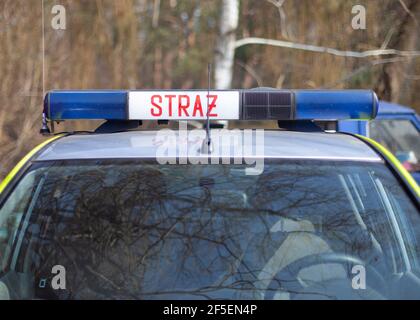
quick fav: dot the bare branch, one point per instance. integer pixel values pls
(409, 12)
(363, 69)
(388, 38)
(320, 49)
(413, 77)
(283, 25)
(156, 13)
(252, 72)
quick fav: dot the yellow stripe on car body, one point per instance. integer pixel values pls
(24, 160)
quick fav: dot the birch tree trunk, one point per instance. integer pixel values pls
(225, 46)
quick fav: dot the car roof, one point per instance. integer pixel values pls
(389, 107)
(149, 144)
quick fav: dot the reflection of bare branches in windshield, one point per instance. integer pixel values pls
(145, 231)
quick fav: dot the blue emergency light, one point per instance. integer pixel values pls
(253, 104)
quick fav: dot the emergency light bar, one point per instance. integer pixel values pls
(254, 104)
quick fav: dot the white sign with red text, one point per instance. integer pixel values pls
(183, 105)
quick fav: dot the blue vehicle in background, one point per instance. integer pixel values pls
(397, 128)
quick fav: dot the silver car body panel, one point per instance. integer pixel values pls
(165, 143)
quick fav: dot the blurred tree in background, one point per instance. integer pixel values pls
(168, 44)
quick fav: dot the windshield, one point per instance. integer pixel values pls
(401, 137)
(137, 229)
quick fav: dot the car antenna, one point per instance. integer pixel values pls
(207, 146)
(45, 130)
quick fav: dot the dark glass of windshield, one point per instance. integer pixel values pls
(139, 230)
